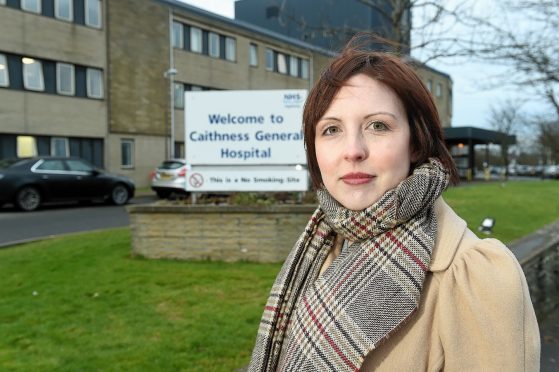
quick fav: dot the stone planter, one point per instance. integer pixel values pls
(224, 233)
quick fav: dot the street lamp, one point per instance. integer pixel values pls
(170, 74)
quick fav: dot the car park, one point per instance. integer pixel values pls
(30, 182)
(169, 177)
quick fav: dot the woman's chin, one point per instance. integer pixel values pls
(357, 202)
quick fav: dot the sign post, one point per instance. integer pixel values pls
(245, 141)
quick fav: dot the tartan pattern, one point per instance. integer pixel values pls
(332, 321)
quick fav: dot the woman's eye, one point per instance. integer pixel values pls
(378, 126)
(330, 130)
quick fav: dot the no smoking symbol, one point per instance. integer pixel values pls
(196, 180)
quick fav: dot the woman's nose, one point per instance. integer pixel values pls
(356, 148)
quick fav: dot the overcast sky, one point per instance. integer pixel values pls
(472, 101)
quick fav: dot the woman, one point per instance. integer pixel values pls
(386, 276)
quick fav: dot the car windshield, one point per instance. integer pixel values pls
(169, 164)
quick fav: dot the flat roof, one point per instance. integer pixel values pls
(455, 135)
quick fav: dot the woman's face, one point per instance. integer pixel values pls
(363, 143)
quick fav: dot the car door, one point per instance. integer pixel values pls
(53, 178)
(88, 183)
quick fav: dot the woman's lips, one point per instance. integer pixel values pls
(357, 178)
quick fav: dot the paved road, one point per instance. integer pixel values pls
(16, 226)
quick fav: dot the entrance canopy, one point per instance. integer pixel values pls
(461, 141)
(476, 136)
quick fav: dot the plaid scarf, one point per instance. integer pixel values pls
(330, 322)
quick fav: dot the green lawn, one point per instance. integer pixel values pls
(96, 308)
(519, 208)
(82, 303)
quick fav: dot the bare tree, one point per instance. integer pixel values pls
(524, 38)
(506, 118)
(522, 35)
(431, 31)
(432, 28)
(548, 139)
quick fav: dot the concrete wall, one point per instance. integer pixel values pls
(149, 152)
(43, 37)
(444, 101)
(46, 114)
(25, 112)
(225, 233)
(538, 253)
(138, 43)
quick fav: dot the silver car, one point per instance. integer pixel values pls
(169, 177)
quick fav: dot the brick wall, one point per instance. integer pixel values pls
(226, 233)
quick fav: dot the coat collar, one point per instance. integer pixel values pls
(450, 230)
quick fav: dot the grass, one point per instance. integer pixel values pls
(82, 303)
(519, 208)
(96, 308)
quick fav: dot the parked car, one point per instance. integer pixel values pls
(29, 182)
(169, 177)
(551, 171)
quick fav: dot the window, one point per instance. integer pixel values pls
(4, 76)
(59, 146)
(63, 9)
(26, 146)
(78, 166)
(2, 2)
(196, 88)
(269, 59)
(51, 165)
(282, 63)
(31, 5)
(214, 45)
(430, 85)
(253, 55)
(33, 74)
(195, 40)
(127, 153)
(177, 36)
(294, 66)
(94, 83)
(179, 95)
(304, 68)
(230, 49)
(438, 90)
(65, 79)
(93, 13)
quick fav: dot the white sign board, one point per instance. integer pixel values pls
(244, 127)
(245, 141)
(252, 179)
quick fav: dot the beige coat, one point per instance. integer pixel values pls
(475, 312)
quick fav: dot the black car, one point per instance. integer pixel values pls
(28, 182)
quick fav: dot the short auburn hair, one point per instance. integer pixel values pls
(426, 135)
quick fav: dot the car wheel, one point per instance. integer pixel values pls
(163, 194)
(119, 195)
(28, 198)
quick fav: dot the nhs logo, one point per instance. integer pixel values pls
(293, 99)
